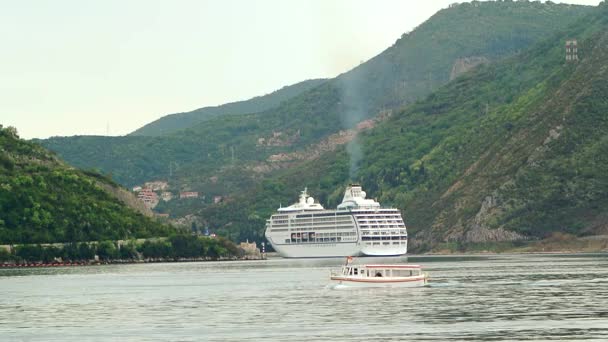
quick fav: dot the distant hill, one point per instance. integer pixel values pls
(44, 200)
(170, 123)
(511, 151)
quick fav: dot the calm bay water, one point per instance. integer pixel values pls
(478, 298)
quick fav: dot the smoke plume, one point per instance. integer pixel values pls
(352, 111)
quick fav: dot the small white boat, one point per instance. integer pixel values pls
(380, 275)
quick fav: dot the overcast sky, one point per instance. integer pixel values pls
(76, 67)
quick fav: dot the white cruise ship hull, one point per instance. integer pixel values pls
(384, 250)
(312, 250)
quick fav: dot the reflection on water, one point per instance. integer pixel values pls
(487, 298)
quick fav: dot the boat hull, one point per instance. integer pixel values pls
(417, 281)
(331, 250)
(311, 250)
(384, 250)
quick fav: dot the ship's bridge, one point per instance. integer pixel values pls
(354, 198)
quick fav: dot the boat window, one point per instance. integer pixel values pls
(378, 274)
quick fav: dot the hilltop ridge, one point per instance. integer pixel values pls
(174, 122)
(418, 63)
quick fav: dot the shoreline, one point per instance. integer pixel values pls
(430, 254)
(118, 262)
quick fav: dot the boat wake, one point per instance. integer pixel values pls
(340, 287)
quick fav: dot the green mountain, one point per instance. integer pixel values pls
(217, 156)
(512, 151)
(307, 140)
(175, 122)
(44, 200)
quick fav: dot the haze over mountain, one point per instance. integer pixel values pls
(418, 158)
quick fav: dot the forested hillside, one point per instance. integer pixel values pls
(44, 200)
(418, 158)
(175, 122)
(512, 151)
(418, 63)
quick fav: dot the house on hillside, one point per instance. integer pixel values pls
(188, 194)
(149, 197)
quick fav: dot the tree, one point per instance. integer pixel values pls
(6, 255)
(156, 249)
(85, 251)
(186, 246)
(106, 250)
(128, 251)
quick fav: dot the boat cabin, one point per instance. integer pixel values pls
(388, 271)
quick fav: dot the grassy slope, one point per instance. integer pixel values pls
(44, 200)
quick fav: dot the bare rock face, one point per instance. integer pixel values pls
(462, 65)
(479, 230)
(483, 234)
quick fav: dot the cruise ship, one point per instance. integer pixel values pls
(359, 226)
